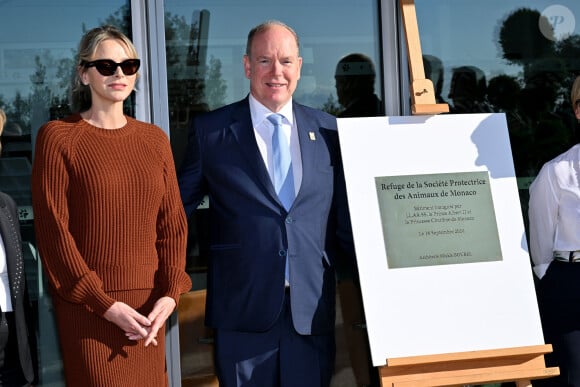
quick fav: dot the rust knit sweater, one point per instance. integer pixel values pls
(110, 226)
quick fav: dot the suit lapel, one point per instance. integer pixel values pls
(308, 137)
(243, 130)
(10, 241)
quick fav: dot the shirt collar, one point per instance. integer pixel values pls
(259, 112)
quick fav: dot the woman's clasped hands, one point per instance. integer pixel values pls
(135, 325)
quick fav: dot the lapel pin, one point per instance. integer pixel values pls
(312, 136)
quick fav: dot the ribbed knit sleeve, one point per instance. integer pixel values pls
(172, 234)
(64, 265)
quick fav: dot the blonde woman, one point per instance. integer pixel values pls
(110, 225)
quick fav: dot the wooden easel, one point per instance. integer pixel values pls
(422, 91)
(519, 365)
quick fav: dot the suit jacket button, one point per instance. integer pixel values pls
(282, 253)
(289, 220)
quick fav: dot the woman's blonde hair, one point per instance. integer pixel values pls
(81, 94)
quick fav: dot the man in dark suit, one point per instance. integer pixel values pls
(16, 365)
(271, 278)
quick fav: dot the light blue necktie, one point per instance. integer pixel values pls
(283, 176)
(282, 163)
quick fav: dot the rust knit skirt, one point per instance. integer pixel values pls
(96, 353)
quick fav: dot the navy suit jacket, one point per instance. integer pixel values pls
(10, 232)
(250, 231)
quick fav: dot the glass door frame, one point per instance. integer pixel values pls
(394, 57)
(151, 106)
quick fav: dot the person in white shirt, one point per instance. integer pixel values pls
(554, 213)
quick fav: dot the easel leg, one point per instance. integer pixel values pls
(523, 383)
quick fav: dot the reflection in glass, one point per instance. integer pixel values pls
(355, 77)
(516, 57)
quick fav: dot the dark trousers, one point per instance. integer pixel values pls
(559, 304)
(279, 357)
(10, 370)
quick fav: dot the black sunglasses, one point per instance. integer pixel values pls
(109, 67)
